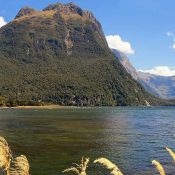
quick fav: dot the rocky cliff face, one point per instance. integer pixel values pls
(126, 63)
(60, 55)
(26, 11)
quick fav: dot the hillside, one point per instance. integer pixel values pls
(60, 55)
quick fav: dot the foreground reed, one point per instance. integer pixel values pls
(172, 154)
(114, 170)
(5, 156)
(159, 167)
(10, 165)
(19, 166)
(79, 169)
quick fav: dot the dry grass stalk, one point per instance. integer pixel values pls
(5, 155)
(159, 167)
(79, 169)
(109, 165)
(19, 166)
(172, 154)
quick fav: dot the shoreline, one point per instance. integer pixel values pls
(69, 107)
(39, 107)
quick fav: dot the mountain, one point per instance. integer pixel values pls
(60, 55)
(160, 86)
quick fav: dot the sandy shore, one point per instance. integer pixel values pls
(39, 107)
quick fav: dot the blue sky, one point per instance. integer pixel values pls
(142, 23)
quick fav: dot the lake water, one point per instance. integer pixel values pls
(53, 139)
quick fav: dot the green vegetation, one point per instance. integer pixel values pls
(5, 102)
(49, 56)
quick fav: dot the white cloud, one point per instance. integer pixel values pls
(170, 34)
(173, 46)
(116, 42)
(161, 70)
(172, 37)
(2, 21)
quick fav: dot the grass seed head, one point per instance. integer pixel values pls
(79, 169)
(109, 165)
(20, 166)
(159, 167)
(172, 154)
(5, 154)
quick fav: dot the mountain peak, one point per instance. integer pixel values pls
(65, 8)
(25, 11)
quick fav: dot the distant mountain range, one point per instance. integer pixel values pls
(161, 86)
(60, 55)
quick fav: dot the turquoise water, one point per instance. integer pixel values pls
(53, 139)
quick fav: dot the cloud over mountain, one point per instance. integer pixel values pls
(161, 70)
(2, 21)
(116, 42)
